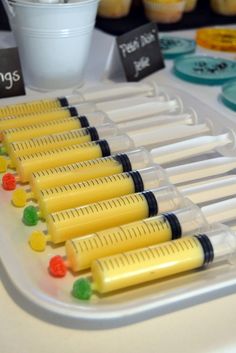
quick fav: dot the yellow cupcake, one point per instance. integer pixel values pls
(224, 7)
(164, 11)
(190, 5)
(114, 8)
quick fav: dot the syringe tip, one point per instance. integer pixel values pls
(30, 216)
(19, 198)
(82, 289)
(57, 266)
(37, 241)
(8, 181)
(3, 164)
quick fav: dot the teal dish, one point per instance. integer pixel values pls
(204, 69)
(228, 95)
(173, 47)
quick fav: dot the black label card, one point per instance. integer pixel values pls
(11, 78)
(140, 52)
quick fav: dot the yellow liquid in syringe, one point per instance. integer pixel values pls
(146, 264)
(82, 251)
(26, 165)
(80, 194)
(46, 128)
(67, 224)
(30, 107)
(36, 118)
(48, 142)
(74, 173)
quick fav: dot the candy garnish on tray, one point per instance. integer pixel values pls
(8, 182)
(38, 241)
(82, 289)
(30, 216)
(19, 198)
(57, 266)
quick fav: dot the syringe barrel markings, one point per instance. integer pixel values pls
(90, 191)
(36, 118)
(46, 128)
(97, 94)
(84, 193)
(26, 165)
(48, 142)
(85, 170)
(66, 224)
(32, 107)
(151, 263)
(81, 251)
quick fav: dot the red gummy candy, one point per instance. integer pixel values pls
(8, 182)
(57, 267)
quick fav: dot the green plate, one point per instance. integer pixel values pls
(205, 69)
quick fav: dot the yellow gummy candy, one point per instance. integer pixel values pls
(37, 241)
(19, 198)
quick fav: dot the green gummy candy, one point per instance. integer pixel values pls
(30, 216)
(82, 289)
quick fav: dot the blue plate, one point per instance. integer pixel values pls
(228, 94)
(205, 69)
(173, 47)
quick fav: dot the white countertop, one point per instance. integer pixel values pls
(207, 327)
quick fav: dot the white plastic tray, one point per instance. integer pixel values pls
(28, 270)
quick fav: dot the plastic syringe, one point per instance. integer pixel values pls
(82, 109)
(93, 119)
(27, 164)
(109, 166)
(106, 166)
(70, 223)
(95, 94)
(193, 147)
(47, 142)
(158, 261)
(63, 139)
(81, 171)
(137, 109)
(50, 127)
(94, 190)
(125, 162)
(82, 251)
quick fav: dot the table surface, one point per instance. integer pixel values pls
(207, 327)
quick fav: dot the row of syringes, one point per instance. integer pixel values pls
(140, 266)
(28, 156)
(119, 179)
(50, 135)
(169, 218)
(123, 184)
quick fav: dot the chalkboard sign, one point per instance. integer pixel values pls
(11, 78)
(140, 52)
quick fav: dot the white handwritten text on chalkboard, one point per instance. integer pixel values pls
(141, 65)
(140, 52)
(9, 78)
